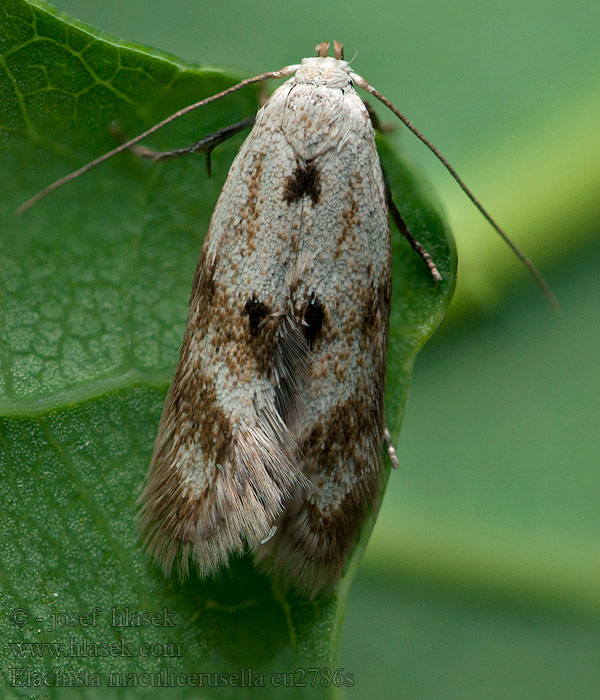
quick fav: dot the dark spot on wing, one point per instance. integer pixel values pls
(305, 181)
(256, 311)
(313, 317)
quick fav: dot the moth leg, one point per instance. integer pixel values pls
(390, 448)
(378, 125)
(204, 145)
(404, 230)
(398, 220)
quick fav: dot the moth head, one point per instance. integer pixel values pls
(323, 72)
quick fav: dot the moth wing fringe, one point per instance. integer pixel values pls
(312, 559)
(178, 524)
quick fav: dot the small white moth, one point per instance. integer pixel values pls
(272, 431)
(282, 371)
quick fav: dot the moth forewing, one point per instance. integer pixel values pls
(272, 430)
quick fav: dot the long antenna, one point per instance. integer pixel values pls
(362, 83)
(283, 72)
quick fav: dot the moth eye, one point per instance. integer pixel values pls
(257, 312)
(313, 318)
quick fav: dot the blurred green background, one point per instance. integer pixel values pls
(482, 578)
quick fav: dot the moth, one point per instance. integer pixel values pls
(272, 433)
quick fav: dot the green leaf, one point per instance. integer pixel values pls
(94, 282)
